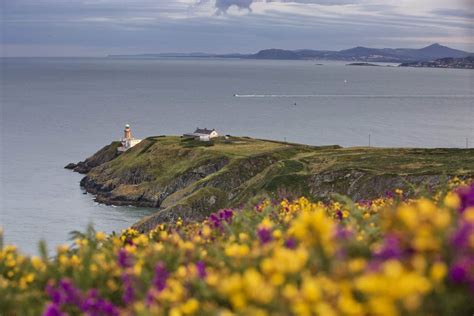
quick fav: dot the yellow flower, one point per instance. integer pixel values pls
(63, 260)
(140, 240)
(290, 292)
(468, 214)
(325, 309)
(438, 271)
(266, 223)
(314, 227)
(81, 242)
(243, 237)
(74, 261)
(236, 250)
(238, 300)
(349, 306)
(452, 200)
(190, 306)
(38, 263)
(206, 231)
(137, 268)
(408, 215)
(357, 265)
(310, 290)
(100, 236)
(175, 312)
(61, 249)
(277, 234)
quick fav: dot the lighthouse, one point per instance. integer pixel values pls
(128, 141)
(127, 132)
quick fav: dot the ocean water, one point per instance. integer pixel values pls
(60, 110)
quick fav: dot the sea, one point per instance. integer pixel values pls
(60, 110)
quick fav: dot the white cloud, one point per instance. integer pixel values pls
(234, 25)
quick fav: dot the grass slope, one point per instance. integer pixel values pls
(190, 178)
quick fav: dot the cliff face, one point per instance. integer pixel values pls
(190, 179)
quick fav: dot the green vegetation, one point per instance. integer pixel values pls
(192, 178)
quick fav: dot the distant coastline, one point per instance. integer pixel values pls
(454, 63)
(356, 54)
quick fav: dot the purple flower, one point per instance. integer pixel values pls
(128, 292)
(339, 215)
(161, 275)
(71, 294)
(290, 243)
(201, 269)
(124, 259)
(366, 203)
(467, 197)
(67, 294)
(343, 233)
(54, 294)
(461, 236)
(52, 310)
(214, 219)
(227, 215)
(265, 235)
(389, 194)
(391, 248)
(97, 306)
(218, 218)
(458, 273)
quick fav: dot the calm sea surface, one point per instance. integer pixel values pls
(56, 111)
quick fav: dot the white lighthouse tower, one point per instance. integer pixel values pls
(128, 141)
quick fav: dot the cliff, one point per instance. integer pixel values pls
(191, 179)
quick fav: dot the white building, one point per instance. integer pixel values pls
(202, 134)
(128, 141)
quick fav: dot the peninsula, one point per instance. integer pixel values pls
(188, 178)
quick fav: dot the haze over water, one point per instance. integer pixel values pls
(56, 111)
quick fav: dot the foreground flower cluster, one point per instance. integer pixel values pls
(390, 256)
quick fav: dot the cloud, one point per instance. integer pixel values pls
(148, 26)
(223, 5)
(468, 14)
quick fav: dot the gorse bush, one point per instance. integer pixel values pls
(390, 256)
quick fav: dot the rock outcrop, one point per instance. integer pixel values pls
(104, 155)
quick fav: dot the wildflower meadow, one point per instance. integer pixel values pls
(390, 256)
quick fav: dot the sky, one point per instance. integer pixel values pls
(102, 27)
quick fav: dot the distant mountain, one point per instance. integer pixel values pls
(275, 54)
(437, 51)
(448, 62)
(360, 53)
(364, 54)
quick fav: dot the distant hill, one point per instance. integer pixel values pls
(448, 62)
(359, 53)
(275, 54)
(366, 54)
